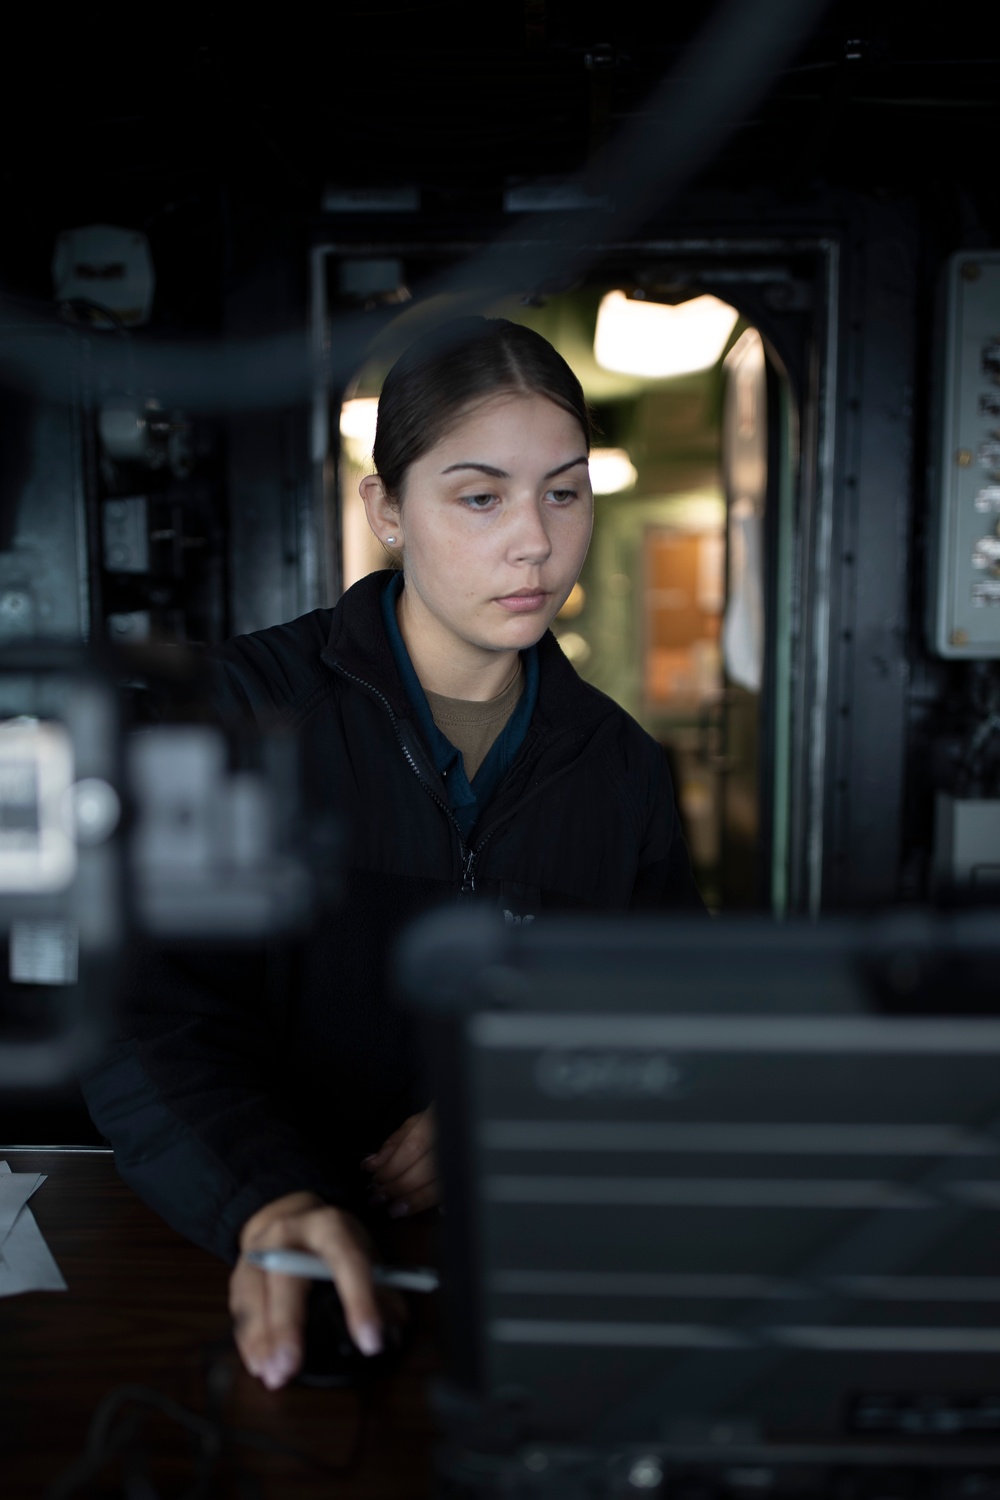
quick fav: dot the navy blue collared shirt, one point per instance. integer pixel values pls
(466, 800)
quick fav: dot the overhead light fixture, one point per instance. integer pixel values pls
(611, 470)
(656, 339)
(358, 418)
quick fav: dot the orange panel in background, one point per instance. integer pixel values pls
(681, 603)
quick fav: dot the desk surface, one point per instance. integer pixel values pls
(146, 1308)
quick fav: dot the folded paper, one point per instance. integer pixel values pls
(26, 1262)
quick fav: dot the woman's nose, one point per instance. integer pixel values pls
(531, 541)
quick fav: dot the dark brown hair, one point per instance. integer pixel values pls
(445, 372)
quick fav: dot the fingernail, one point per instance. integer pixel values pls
(255, 1366)
(369, 1338)
(398, 1210)
(277, 1369)
(369, 1161)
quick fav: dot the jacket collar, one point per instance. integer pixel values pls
(357, 644)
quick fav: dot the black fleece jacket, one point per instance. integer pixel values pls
(239, 1078)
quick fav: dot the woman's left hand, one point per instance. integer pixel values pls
(404, 1171)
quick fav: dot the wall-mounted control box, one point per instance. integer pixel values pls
(966, 841)
(963, 596)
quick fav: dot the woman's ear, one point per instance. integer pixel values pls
(381, 510)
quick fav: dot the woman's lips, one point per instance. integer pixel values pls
(522, 604)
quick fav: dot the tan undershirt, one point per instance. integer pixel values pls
(473, 727)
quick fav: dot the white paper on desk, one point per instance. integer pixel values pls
(26, 1262)
(15, 1190)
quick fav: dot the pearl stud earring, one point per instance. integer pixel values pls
(390, 541)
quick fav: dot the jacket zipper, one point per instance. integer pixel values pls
(469, 856)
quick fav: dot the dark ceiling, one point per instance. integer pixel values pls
(208, 125)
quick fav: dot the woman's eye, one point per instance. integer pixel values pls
(478, 502)
(562, 497)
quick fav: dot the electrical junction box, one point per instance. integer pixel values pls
(126, 535)
(107, 270)
(966, 841)
(964, 541)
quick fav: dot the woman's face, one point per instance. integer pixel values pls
(495, 523)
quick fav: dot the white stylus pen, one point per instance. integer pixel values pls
(300, 1263)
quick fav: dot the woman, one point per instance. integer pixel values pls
(463, 755)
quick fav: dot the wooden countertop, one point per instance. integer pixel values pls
(145, 1308)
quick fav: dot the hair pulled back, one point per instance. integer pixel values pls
(445, 372)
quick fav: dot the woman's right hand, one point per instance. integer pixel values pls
(268, 1309)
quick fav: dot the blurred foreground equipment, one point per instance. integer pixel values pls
(176, 832)
(722, 1201)
(61, 887)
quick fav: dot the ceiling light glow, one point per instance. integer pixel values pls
(611, 470)
(656, 340)
(357, 425)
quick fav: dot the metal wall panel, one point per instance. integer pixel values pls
(274, 562)
(43, 531)
(874, 516)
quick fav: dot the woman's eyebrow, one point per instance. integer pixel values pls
(570, 465)
(495, 473)
(482, 469)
